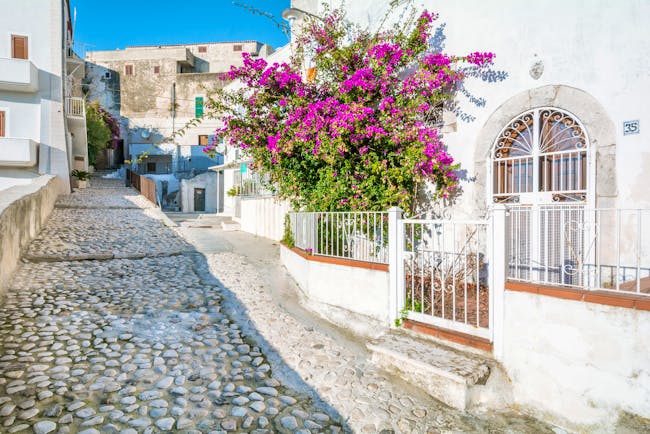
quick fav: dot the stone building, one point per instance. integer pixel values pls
(156, 90)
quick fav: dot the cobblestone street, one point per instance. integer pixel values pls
(117, 323)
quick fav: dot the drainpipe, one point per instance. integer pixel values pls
(173, 109)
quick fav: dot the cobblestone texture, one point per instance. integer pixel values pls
(368, 398)
(157, 344)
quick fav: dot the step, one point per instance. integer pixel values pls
(460, 379)
(230, 226)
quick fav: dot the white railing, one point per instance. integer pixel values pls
(570, 245)
(445, 275)
(252, 184)
(75, 107)
(361, 236)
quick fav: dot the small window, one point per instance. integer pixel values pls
(204, 140)
(19, 47)
(238, 47)
(128, 69)
(156, 69)
(2, 123)
(203, 49)
(151, 167)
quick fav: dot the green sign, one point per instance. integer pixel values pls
(198, 106)
(243, 167)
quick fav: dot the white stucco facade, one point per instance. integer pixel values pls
(580, 364)
(32, 92)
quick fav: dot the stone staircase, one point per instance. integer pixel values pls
(460, 379)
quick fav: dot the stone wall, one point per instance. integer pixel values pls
(24, 209)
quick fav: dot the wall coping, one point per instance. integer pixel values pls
(338, 261)
(626, 300)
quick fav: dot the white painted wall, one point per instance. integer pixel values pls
(355, 298)
(580, 361)
(208, 181)
(599, 47)
(264, 217)
(38, 116)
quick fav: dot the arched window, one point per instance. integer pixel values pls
(541, 156)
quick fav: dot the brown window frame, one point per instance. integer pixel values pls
(238, 47)
(13, 47)
(203, 49)
(204, 140)
(3, 123)
(128, 69)
(156, 69)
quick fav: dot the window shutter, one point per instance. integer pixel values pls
(2, 124)
(128, 69)
(18, 47)
(156, 69)
(198, 107)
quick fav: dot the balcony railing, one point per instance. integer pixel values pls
(75, 107)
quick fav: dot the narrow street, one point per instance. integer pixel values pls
(116, 322)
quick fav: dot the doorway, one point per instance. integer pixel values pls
(199, 199)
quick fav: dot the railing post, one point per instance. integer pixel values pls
(497, 261)
(395, 263)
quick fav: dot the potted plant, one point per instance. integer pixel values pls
(81, 177)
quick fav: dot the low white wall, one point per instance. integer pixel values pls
(352, 297)
(24, 209)
(264, 217)
(576, 361)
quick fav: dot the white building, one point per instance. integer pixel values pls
(37, 70)
(554, 157)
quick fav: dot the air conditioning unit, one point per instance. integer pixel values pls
(107, 75)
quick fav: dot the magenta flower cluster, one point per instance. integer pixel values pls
(352, 132)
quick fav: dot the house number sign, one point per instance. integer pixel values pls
(631, 127)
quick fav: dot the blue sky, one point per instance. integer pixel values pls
(107, 25)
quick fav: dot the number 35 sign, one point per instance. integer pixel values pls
(631, 127)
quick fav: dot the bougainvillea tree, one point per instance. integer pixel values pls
(346, 124)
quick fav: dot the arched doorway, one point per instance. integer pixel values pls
(542, 156)
(541, 167)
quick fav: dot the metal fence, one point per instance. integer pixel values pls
(593, 249)
(361, 236)
(446, 273)
(146, 186)
(250, 184)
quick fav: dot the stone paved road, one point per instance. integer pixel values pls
(145, 339)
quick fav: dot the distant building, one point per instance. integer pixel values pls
(156, 90)
(42, 114)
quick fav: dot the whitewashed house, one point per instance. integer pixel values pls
(542, 264)
(42, 119)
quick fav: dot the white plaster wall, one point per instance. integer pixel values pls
(599, 47)
(357, 290)
(579, 361)
(38, 116)
(208, 181)
(264, 217)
